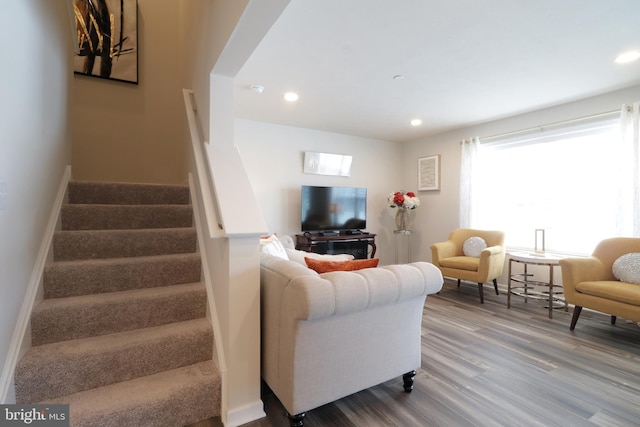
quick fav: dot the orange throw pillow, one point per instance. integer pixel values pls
(327, 266)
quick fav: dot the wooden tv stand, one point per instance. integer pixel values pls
(354, 244)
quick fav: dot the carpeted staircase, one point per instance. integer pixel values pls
(122, 334)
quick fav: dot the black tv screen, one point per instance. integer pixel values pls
(333, 208)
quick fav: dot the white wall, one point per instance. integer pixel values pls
(273, 156)
(438, 214)
(35, 40)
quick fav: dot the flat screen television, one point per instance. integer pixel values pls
(333, 208)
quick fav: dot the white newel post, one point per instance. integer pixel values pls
(243, 333)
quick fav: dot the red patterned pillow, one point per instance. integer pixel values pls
(327, 266)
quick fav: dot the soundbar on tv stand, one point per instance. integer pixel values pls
(329, 233)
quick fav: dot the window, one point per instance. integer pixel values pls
(564, 181)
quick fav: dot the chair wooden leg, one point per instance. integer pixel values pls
(574, 318)
(481, 293)
(458, 282)
(495, 285)
(613, 320)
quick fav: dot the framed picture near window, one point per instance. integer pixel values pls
(429, 173)
(107, 39)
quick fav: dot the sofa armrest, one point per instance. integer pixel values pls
(491, 263)
(442, 250)
(576, 270)
(492, 251)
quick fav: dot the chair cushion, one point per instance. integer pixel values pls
(473, 246)
(321, 266)
(461, 263)
(627, 268)
(611, 290)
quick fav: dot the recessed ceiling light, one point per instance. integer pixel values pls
(416, 122)
(291, 97)
(257, 89)
(398, 77)
(629, 56)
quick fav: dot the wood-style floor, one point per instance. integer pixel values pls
(486, 365)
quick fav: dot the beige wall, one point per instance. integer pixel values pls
(135, 133)
(35, 41)
(205, 28)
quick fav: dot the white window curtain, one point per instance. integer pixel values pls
(468, 164)
(629, 197)
(561, 177)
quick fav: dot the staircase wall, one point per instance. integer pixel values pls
(35, 148)
(134, 133)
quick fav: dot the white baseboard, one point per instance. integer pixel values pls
(245, 414)
(21, 338)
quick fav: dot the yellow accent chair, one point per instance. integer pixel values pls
(589, 282)
(449, 257)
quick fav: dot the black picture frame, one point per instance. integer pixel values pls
(106, 39)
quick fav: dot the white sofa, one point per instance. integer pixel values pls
(326, 336)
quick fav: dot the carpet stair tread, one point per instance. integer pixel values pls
(82, 277)
(171, 398)
(63, 319)
(127, 193)
(51, 370)
(117, 217)
(93, 244)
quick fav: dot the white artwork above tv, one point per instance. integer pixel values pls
(327, 164)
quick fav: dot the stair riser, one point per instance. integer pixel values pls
(127, 194)
(94, 277)
(78, 245)
(73, 318)
(115, 217)
(46, 374)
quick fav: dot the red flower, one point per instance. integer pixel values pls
(411, 194)
(398, 198)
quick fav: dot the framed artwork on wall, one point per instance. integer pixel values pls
(429, 173)
(107, 39)
(327, 164)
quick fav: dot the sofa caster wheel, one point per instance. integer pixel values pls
(296, 420)
(408, 381)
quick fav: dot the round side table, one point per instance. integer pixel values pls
(527, 287)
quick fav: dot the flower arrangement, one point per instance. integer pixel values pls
(400, 199)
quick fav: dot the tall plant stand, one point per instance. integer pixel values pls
(403, 246)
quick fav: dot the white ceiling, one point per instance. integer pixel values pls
(464, 61)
